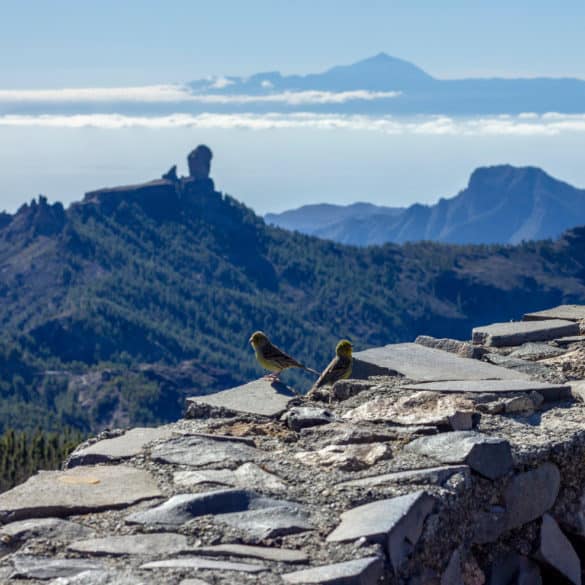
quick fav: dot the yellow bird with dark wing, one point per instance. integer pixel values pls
(339, 368)
(272, 358)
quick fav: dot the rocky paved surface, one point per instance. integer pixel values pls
(444, 477)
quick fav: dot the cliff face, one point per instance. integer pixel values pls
(439, 462)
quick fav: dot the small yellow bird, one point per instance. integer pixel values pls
(339, 368)
(272, 358)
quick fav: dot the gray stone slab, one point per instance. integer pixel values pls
(128, 445)
(77, 491)
(556, 551)
(193, 582)
(366, 571)
(260, 397)
(565, 312)
(55, 529)
(101, 577)
(200, 451)
(243, 509)
(530, 494)
(302, 417)
(184, 507)
(564, 341)
(269, 519)
(45, 568)
(396, 523)
(488, 456)
(550, 392)
(452, 574)
(279, 555)
(248, 475)
(430, 476)
(533, 369)
(421, 363)
(132, 544)
(537, 351)
(198, 563)
(519, 332)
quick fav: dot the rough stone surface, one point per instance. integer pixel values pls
(536, 351)
(517, 333)
(366, 571)
(29, 567)
(200, 451)
(53, 528)
(261, 397)
(427, 364)
(397, 523)
(101, 577)
(280, 555)
(301, 417)
(452, 574)
(426, 408)
(514, 568)
(77, 491)
(248, 475)
(565, 312)
(346, 457)
(488, 456)
(529, 495)
(125, 446)
(460, 348)
(132, 544)
(200, 563)
(556, 550)
(549, 391)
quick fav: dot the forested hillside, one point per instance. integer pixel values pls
(117, 308)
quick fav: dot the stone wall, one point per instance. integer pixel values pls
(447, 463)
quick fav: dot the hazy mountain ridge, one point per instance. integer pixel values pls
(117, 307)
(501, 204)
(377, 86)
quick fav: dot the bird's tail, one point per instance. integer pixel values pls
(315, 372)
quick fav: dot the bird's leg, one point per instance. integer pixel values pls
(273, 377)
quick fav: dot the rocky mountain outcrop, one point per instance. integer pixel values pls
(427, 468)
(501, 204)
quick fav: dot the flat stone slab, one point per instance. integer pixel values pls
(132, 544)
(550, 392)
(128, 445)
(248, 475)
(556, 551)
(101, 577)
(279, 555)
(243, 509)
(564, 341)
(200, 564)
(486, 455)
(565, 312)
(48, 528)
(530, 494)
(260, 397)
(200, 451)
(427, 364)
(45, 568)
(77, 491)
(431, 475)
(396, 523)
(520, 332)
(366, 571)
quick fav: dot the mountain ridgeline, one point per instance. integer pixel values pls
(501, 204)
(117, 308)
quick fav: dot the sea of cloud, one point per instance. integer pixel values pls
(527, 124)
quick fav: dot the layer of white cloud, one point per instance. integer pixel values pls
(521, 125)
(177, 93)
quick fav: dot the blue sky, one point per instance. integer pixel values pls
(60, 43)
